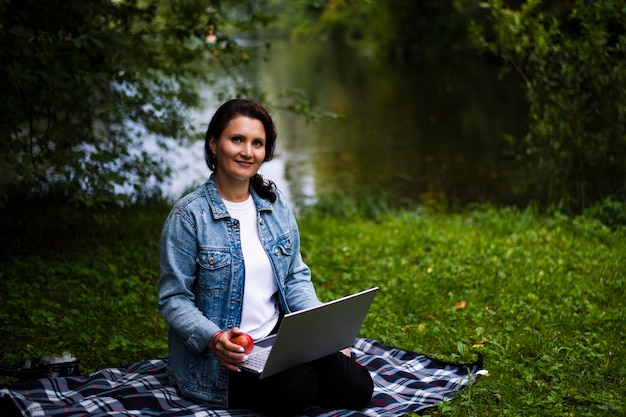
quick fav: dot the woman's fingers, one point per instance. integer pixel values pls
(227, 352)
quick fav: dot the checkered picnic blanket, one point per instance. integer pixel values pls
(405, 382)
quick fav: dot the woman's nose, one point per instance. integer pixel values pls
(246, 149)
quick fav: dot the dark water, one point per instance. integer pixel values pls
(429, 129)
(426, 131)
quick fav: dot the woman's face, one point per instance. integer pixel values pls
(240, 150)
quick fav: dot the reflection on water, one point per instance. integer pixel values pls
(428, 129)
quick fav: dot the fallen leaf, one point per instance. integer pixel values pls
(479, 344)
(460, 304)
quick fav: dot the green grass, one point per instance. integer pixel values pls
(541, 297)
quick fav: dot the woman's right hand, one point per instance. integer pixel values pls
(228, 353)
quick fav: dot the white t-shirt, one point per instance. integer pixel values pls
(260, 296)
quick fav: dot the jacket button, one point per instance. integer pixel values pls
(276, 252)
(211, 260)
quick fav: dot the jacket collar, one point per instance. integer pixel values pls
(218, 208)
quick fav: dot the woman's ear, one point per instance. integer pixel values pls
(212, 145)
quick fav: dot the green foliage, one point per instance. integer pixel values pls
(572, 60)
(84, 83)
(372, 205)
(610, 212)
(541, 297)
(398, 28)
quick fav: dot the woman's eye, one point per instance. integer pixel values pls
(258, 143)
(236, 139)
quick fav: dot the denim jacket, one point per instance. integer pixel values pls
(201, 282)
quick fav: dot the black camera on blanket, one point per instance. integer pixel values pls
(46, 366)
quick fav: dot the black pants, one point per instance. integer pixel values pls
(335, 381)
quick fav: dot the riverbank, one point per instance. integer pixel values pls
(541, 297)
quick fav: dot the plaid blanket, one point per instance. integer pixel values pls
(405, 382)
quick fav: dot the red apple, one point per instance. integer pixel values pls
(245, 341)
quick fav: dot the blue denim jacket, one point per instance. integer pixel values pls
(202, 280)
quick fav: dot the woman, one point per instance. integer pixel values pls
(230, 262)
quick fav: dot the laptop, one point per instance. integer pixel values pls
(310, 334)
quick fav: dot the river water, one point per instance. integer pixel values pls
(429, 130)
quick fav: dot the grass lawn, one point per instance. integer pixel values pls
(541, 297)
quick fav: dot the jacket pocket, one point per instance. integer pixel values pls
(284, 247)
(282, 254)
(214, 270)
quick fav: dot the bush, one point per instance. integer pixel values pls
(572, 60)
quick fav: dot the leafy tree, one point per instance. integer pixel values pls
(406, 26)
(571, 56)
(84, 82)
(396, 28)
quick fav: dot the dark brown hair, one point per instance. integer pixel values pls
(249, 108)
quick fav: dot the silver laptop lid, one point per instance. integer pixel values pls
(315, 332)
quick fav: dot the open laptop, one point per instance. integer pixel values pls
(310, 334)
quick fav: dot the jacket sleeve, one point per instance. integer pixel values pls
(177, 274)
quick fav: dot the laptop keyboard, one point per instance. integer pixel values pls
(258, 359)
